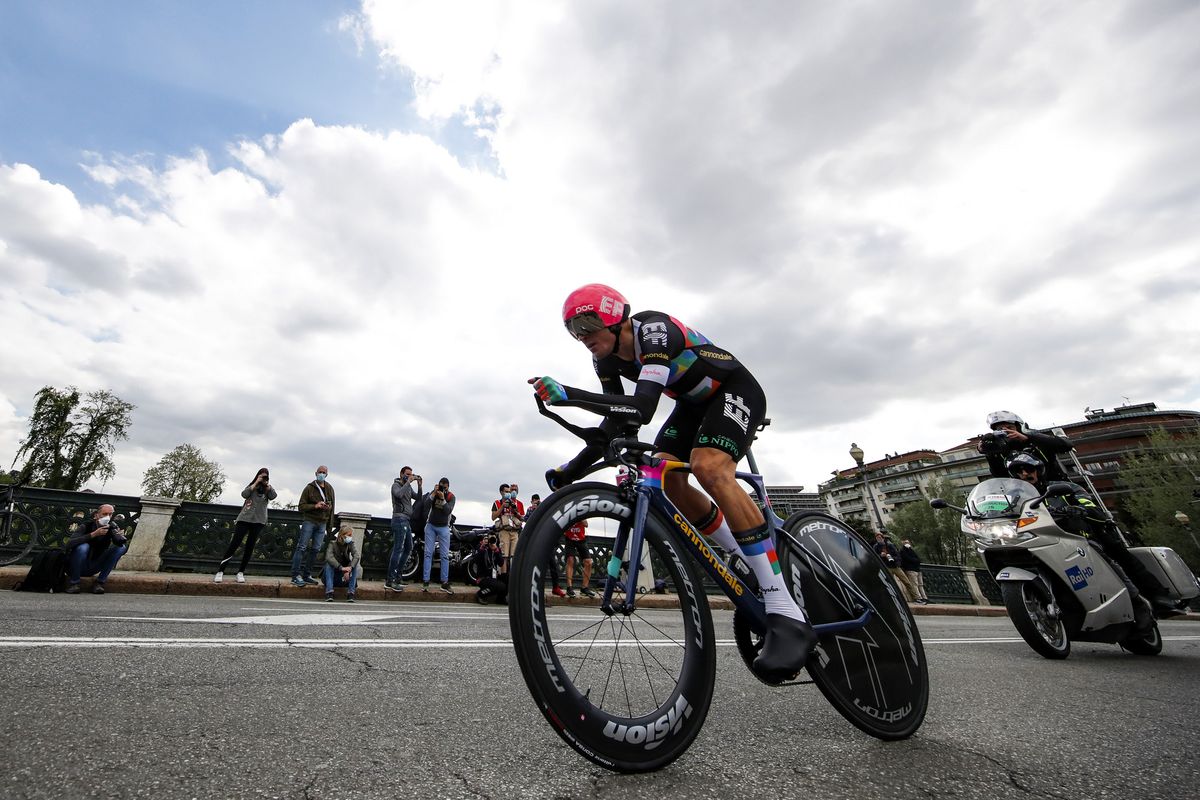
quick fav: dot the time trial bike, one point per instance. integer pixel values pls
(628, 685)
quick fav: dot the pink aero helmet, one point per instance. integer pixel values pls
(592, 308)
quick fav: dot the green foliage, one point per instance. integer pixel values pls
(1162, 479)
(935, 534)
(186, 474)
(71, 437)
(861, 523)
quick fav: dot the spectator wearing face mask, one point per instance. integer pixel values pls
(341, 564)
(910, 562)
(316, 506)
(250, 522)
(441, 507)
(507, 516)
(95, 550)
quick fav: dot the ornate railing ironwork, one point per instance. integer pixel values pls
(946, 584)
(58, 514)
(989, 587)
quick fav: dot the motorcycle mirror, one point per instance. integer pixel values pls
(1059, 488)
(939, 503)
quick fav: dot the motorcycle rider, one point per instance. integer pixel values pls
(1010, 435)
(719, 406)
(1078, 513)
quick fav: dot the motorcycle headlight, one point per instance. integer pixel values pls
(996, 531)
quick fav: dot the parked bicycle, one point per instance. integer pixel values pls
(18, 532)
(629, 687)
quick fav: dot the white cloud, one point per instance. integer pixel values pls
(899, 217)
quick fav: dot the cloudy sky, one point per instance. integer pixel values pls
(328, 232)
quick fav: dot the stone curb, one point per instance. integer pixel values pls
(201, 585)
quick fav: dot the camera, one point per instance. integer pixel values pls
(994, 442)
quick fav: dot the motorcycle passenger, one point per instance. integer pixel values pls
(718, 408)
(1079, 514)
(1010, 435)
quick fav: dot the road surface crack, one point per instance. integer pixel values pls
(467, 785)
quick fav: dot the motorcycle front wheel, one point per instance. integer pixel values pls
(1029, 611)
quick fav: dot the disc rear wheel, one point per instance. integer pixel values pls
(876, 676)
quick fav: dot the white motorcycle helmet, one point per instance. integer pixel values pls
(996, 417)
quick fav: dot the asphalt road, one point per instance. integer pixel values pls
(165, 697)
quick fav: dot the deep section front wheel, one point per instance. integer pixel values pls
(876, 676)
(628, 691)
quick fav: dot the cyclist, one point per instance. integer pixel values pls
(719, 406)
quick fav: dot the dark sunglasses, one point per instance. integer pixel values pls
(581, 325)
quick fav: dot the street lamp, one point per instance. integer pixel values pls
(856, 453)
(1184, 520)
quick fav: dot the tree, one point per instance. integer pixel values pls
(71, 437)
(186, 474)
(935, 534)
(1162, 479)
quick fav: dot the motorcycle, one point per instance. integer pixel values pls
(1057, 586)
(464, 555)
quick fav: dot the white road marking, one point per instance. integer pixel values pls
(286, 619)
(329, 644)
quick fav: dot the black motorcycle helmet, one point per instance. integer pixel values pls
(1024, 462)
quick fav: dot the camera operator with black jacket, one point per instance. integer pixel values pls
(1010, 435)
(95, 550)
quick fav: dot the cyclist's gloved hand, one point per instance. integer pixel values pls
(549, 390)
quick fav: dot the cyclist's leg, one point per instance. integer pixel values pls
(730, 422)
(674, 441)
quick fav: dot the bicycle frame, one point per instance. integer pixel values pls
(648, 487)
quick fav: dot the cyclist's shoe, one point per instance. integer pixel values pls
(785, 648)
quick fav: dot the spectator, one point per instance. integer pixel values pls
(95, 550)
(341, 564)
(250, 522)
(507, 513)
(576, 537)
(891, 558)
(534, 502)
(316, 504)
(441, 501)
(910, 562)
(403, 495)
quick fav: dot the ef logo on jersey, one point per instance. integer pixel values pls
(737, 410)
(655, 333)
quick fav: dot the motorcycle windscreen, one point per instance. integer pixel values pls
(1000, 497)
